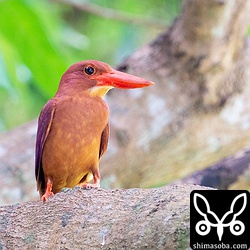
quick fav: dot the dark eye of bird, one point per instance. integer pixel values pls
(89, 70)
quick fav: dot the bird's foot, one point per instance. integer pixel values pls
(47, 195)
(48, 191)
(89, 185)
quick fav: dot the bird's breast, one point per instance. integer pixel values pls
(84, 116)
(73, 143)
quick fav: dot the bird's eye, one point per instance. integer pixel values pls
(89, 70)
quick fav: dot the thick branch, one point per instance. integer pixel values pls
(203, 52)
(223, 173)
(100, 219)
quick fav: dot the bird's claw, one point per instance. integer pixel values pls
(46, 196)
(89, 185)
(48, 191)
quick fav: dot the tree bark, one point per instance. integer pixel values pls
(232, 172)
(100, 219)
(198, 111)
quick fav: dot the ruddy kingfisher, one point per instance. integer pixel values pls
(73, 127)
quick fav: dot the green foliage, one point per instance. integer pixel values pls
(39, 40)
(31, 58)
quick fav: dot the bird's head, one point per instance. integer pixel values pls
(97, 78)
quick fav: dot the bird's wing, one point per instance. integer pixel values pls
(44, 126)
(104, 141)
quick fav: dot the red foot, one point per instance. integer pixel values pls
(48, 191)
(86, 185)
(89, 185)
(46, 196)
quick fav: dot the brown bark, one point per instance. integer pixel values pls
(100, 219)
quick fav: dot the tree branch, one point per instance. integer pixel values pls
(221, 174)
(100, 219)
(115, 14)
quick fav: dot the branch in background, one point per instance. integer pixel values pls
(222, 174)
(114, 14)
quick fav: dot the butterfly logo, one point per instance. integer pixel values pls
(203, 227)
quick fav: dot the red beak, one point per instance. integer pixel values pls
(118, 79)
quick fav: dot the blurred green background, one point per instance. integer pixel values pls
(39, 40)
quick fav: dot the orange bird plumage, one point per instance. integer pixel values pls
(73, 127)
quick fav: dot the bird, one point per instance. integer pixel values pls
(73, 127)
